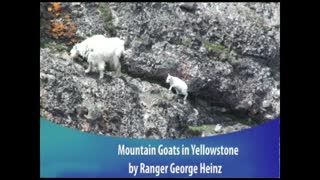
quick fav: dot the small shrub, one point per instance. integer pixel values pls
(107, 15)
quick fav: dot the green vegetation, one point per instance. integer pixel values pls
(241, 118)
(107, 15)
(199, 130)
(193, 132)
(222, 51)
(44, 45)
(215, 47)
(139, 39)
(202, 128)
(209, 128)
(58, 46)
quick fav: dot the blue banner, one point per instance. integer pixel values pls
(253, 152)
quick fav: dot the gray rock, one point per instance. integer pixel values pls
(88, 19)
(189, 7)
(241, 57)
(119, 106)
(228, 54)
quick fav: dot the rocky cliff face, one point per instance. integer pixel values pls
(228, 53)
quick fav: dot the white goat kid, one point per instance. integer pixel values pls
(179, 85)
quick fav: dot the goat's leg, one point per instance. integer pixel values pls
(101, 67)
(89, 68)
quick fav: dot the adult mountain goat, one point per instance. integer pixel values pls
(99, 52)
